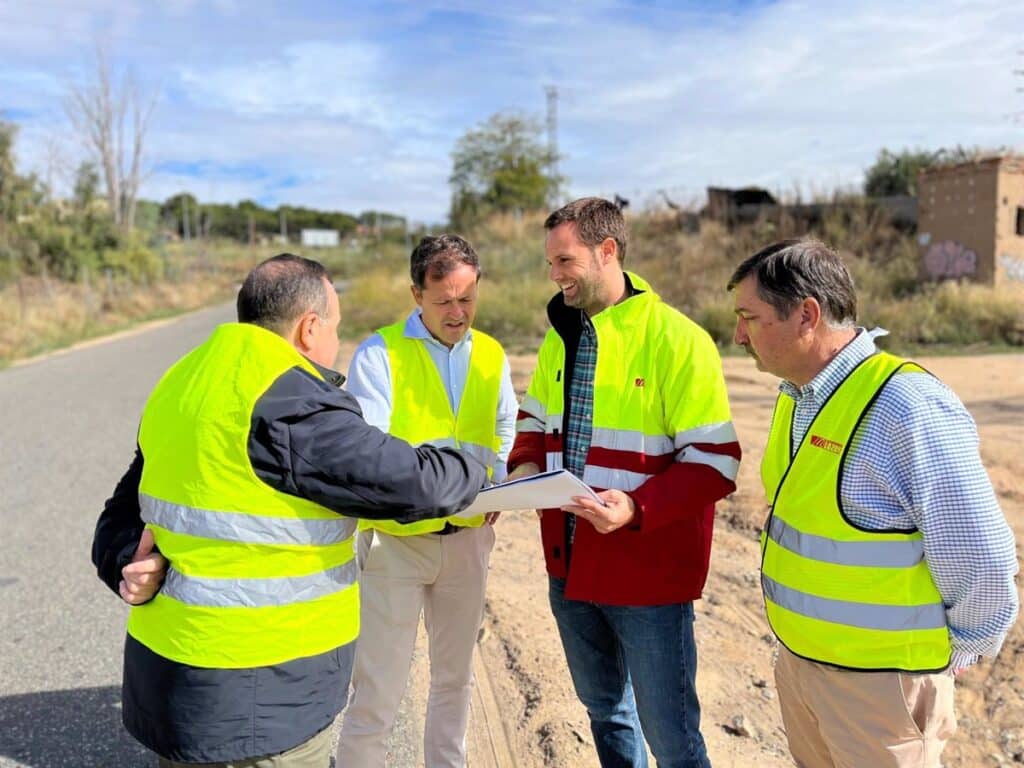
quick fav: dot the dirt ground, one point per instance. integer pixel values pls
(547, 726)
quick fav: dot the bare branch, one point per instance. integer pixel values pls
(99, 114)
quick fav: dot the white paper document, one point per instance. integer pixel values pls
(541, 491)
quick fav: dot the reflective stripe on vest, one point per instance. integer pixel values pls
(258, 593)
(251, 529)
(256, 577)
(835, 593)
(528, 420)
(421, 412)
(864, 615)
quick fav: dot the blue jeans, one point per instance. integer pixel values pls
(634, 668)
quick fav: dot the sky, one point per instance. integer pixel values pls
(356, 106)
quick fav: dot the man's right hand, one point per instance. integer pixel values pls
(142, 577)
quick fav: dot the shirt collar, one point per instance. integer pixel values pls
(415, 329)
(832, 375)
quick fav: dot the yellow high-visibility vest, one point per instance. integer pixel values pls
(256, 577)
(421, 412)
(836, 593)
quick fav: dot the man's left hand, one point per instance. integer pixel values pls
(143, 576)
(618, 510)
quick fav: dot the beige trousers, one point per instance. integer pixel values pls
(847, 719)
(315, 753)
(444, 578)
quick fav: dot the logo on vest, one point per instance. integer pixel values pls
(829, 445)
(638, 382)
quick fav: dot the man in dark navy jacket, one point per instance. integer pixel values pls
(307, 442)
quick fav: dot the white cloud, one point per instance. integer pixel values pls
(361, 109)
(322, 78)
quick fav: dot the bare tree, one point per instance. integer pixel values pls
(98, 111)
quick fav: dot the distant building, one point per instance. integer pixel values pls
(732, 206)
(320, 238)
(971, 220)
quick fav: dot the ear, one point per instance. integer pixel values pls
(305, 331)
(417, 295)
(608, 250)
(810, 314)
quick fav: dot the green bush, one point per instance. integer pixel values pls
(134, 261)
(513, 311)
(952, 314)
(719, 320)
(374, 299)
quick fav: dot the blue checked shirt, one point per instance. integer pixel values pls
(580, 425)
(915, 463)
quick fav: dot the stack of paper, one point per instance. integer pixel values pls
(542, 491)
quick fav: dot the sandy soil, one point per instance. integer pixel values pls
(519, 642)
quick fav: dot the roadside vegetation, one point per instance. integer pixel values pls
(69, 270)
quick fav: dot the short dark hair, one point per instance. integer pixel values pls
(596, 219)
(280, 290)
(789, 271)
(440, 255)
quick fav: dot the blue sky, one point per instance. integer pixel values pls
(353, 106)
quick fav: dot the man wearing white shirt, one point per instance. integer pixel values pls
(428, 379)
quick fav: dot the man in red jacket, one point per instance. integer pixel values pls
(629, 396)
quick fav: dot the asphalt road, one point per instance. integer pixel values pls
(67, 433)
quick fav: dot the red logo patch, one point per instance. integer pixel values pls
(829, 445)
(638, 383)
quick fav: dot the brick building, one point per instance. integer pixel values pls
(971, 221)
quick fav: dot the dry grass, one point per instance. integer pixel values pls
(39, 314)
(689, 270)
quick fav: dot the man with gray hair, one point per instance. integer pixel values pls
(888, 567)
(251, 462)
(430, 378)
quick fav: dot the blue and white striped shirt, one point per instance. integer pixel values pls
(915, 464)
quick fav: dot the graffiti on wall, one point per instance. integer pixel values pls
(949, 259)
(1013, 267)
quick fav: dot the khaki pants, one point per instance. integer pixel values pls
(838, 718)
(315, 753)
(444, 578)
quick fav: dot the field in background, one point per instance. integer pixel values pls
(689, 269)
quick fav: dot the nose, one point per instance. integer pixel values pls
(553, 273)
(739, 336)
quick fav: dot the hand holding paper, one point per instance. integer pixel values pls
(612, 510)
(548, 489)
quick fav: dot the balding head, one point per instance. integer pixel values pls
(280, 290)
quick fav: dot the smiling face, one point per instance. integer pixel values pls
(580, 271)
(448, 304)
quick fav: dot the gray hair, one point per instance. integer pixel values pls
(789, 271)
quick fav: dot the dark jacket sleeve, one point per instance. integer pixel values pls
(119, 527)
(308, 438)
